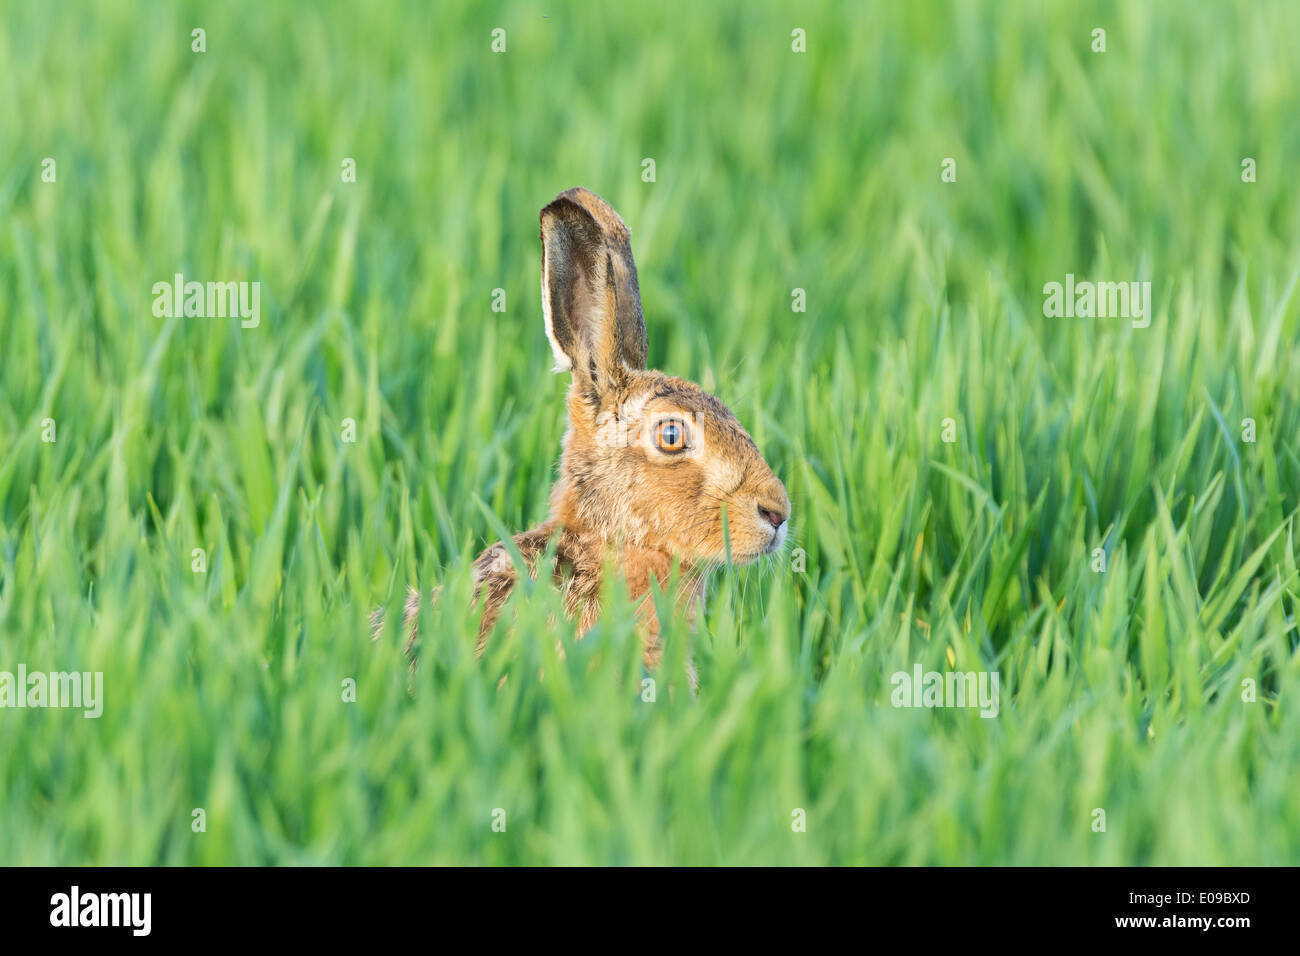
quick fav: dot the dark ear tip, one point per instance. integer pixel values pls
(560, 205)
(574, 217)
(611, 223)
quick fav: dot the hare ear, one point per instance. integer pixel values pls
(594, 330)
(632, 343)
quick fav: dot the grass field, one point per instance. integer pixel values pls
(1161, 690)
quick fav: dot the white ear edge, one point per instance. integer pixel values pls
(562, 362)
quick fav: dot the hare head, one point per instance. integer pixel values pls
(650, 461)
(656, 474)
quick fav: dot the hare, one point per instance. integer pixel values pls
(648, 460)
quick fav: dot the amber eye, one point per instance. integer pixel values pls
(670, 436)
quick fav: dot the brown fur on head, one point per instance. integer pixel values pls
(649, 461)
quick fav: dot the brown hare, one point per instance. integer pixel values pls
(648, 460)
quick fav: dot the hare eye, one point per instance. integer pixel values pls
(670, 436)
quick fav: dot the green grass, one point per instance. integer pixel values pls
(775, 170)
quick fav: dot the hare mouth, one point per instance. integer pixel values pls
(778, 539)
(773, 545)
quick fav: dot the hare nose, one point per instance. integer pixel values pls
(774, 517)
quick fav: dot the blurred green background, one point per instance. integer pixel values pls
(774, 171)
